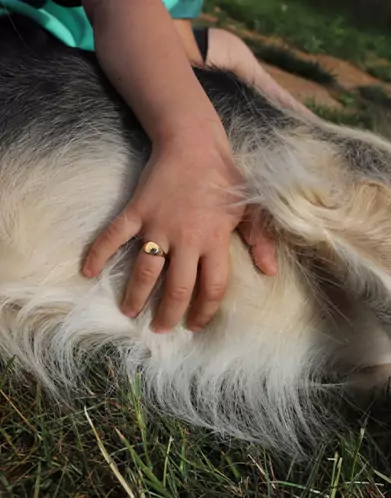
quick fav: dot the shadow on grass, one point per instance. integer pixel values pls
(380, 71)
(376, 95)
(288, 61)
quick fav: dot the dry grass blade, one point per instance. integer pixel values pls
(108, 459)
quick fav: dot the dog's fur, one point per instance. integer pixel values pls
(70, 156)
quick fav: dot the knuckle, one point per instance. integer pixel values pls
(123, 224)
(215, 292)
(187, 240)
(220, 235)
(146, 274)
(112, 233)
(192, 237)
(179, 293)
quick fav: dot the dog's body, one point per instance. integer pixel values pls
(70, 156)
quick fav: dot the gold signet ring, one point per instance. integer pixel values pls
(153, 249)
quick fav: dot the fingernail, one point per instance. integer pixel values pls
(195, 328)
(129, 313)
(158, 330)
(270, 271)
(273, 269)
(268, 268)
(87, 272)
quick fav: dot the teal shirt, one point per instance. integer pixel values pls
(70, 24)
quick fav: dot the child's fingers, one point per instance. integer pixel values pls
(144, 276)
(213, 285)
(263, 254)
(122, 229)
(178, 288)
(261, 243)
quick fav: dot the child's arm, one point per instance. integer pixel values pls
(184, 29)
(180, 201)
(142, 54)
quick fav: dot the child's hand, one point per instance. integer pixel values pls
(181, 204)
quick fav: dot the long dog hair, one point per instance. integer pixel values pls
(70, 156)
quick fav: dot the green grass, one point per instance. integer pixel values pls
(307, 27)
(285, 59)
(110, 446)
(361, 13)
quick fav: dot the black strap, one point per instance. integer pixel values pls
(64, 3)
(35, 3)
(68, 3)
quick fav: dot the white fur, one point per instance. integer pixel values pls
(255, 371)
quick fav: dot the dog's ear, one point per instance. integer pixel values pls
(360, 246)
(321, 206)
(350, 235)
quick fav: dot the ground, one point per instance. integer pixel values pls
(110, 445)
(347, 76)
(354, 89)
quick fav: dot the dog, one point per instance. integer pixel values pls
(280, 348)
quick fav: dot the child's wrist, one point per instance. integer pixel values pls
(190, 134)
(187, 127)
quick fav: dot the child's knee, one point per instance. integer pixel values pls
(226, 49)
(227, 39)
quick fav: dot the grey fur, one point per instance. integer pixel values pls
(70, 156)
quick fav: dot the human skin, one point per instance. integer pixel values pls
(184, 200)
